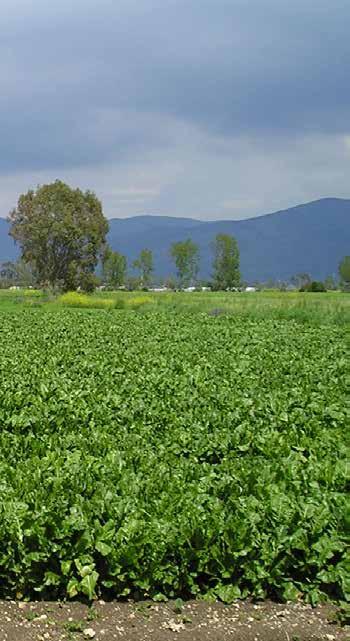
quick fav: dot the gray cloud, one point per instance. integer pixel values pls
(171, 99)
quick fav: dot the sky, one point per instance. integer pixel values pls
(213, 109)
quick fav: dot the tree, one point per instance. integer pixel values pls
(144, 263)
(344, 272)
(314, 286)
(132, 283)
(301, 280)
(61, 232)
(330, 282)
(186, 257)
(226, 262)
(114, 267)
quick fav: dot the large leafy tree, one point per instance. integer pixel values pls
(185, 255)
(114, 268)
(344, 272)
(144, 264)
(226, 262)
(61, 232)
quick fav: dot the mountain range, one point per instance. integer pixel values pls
(310, 238)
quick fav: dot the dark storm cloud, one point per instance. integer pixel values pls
(88, 82)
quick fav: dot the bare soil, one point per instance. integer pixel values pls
(145, 621)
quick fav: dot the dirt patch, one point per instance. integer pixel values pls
(145, 621)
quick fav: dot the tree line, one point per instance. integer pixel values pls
(185, 255)
(62, 233)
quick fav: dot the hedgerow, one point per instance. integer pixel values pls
(163, 456)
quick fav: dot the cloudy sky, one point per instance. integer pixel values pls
(203, 108)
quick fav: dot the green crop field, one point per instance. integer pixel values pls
(170, 454)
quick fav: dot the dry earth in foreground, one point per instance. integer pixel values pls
(144, 621)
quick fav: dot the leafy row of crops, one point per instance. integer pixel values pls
(160, 454)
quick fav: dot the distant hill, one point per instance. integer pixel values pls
(308, 238)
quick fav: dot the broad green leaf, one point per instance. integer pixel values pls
(103, 548)
(88, 584)
(73, 587)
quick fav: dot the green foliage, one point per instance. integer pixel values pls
(344, 272)
(172, 456)
(144, 264)
(226, 262)
(343, 615)
(186, 257)
(301, 280)
(61, 232)
(74, 626)
(178, 605)
(135, 302)
(114, 268)
(330, 283)
(78, 299)
(314, 286)
(308, 308)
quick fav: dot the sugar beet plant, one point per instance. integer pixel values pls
(168, 456)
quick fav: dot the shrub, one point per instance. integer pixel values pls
(77, 299)
(139, 301)
(314, 286)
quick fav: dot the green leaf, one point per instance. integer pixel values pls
(290, 592)
(103, 548)
(73, 587)
(88, 584)
(52, 579)
(159, 596)
(228, 593)
(178, 606)
(65, 567)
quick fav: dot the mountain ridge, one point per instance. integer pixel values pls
(310, 237)
(236, 220)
